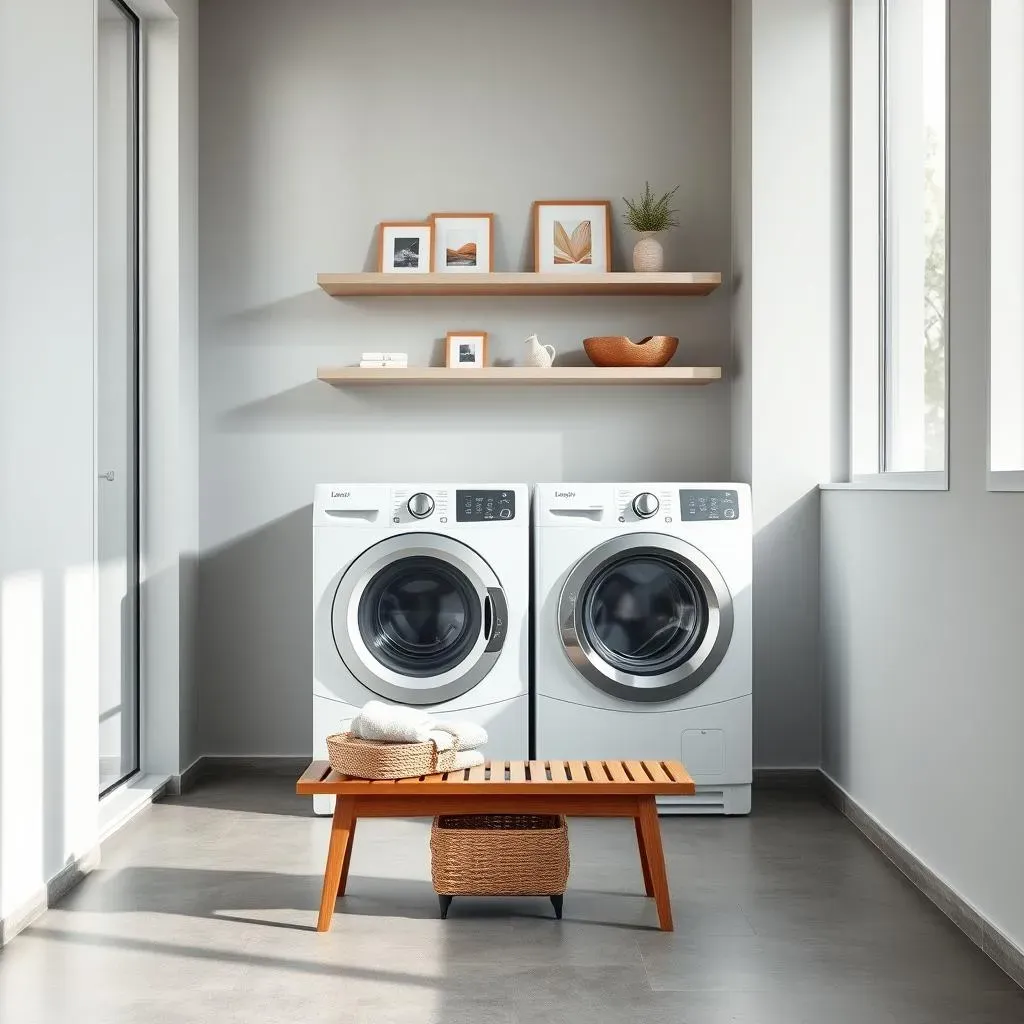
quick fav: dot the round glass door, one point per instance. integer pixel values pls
(645, 618)
(645, 614)
(419, 618)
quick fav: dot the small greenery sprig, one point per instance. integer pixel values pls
(650, 214)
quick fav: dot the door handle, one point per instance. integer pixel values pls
(108, 476)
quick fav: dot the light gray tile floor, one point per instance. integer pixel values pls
(204, 908)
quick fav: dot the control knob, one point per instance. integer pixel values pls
(420, 505)
(645, 505)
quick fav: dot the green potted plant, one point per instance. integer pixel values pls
(649, 216)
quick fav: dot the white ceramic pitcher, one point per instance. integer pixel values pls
(538, 354)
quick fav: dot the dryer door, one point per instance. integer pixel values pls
(646, 617)
(419, 618)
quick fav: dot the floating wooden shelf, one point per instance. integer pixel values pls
(349, 376)
(342, 285)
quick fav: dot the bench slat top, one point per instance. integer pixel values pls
(516, 778)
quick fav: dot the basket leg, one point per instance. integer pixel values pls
(445, 902)
(556, 902)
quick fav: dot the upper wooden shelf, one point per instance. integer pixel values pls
(348, 376)
(666, 283)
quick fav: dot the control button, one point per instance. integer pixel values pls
(645, 505)
(421, 505)
(505, 513)
(730, 513)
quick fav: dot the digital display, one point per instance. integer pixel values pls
(696, 506)
(485, 506)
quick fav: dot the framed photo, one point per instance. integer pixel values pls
(572, 236)
(462, 242)
(406, 247)
(466, 350)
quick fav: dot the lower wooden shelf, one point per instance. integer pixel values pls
(354, 376)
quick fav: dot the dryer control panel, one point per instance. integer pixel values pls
(701, 505)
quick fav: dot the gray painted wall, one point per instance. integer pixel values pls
(790, 234)
(322, 118)
(922, 598)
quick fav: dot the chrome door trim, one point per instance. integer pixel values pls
(653, 688)
(358, 657)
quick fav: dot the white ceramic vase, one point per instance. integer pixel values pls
(648, 255)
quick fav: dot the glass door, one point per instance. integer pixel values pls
(117, 352)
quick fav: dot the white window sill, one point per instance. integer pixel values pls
(1006, 480)
(934, 481)
(119, 806)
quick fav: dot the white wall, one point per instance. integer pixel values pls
(319, 120)
(921, 592)
(48, 682)
(789, 256)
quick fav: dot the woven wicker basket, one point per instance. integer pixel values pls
(499, 855)
(367, 759)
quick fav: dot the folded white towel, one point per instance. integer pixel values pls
(442, 740)
(468, 759)
(392, 723)
(468, 735)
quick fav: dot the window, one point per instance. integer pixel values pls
(1006, 361)
(898, 231)
(117, 352)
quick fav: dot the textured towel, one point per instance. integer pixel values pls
(468, 759)
(442, 740)
(392, 723)
(468, 735)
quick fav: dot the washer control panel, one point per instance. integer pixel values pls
(485, 506)
(698, 506)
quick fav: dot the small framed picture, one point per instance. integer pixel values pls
(572, 236)
(462, 242)
(466, 350)
(406, 247)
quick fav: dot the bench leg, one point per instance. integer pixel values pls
(342, 826)
(644, 866)
(348, 857)
(650, 834)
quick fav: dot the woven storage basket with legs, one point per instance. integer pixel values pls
(499, 855)
(366, 759)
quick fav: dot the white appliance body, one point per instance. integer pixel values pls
(643, 630)
(421, 597)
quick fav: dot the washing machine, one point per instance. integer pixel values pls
(421, 597)
(642, 630)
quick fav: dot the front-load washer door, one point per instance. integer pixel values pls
(419, 618)
(645, 617)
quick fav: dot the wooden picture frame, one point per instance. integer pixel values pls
(388, 237)
(546, 258)
(476, 230)
(455, 358)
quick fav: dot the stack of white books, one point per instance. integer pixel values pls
(396, 359)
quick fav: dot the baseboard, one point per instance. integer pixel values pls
(218, 766)
(985, 935)
(55, 890)
(801, 779)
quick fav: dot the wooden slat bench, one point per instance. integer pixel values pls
(586, 789)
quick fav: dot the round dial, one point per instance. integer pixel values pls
(645, 505)
(421, 505)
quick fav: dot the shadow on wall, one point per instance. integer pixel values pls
(787, 670)
(255, 639)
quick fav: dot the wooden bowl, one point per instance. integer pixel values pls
(618, 350)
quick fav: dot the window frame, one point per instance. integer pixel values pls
(870, 265)
(996, 479)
